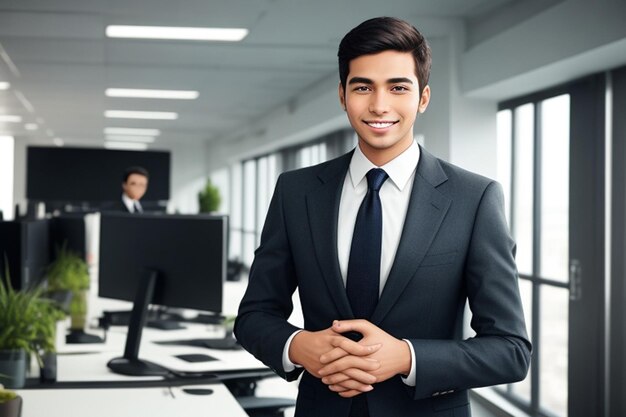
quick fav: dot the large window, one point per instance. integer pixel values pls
(533, 150)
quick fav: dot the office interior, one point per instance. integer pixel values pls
(527, 92)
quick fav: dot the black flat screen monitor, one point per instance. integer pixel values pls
(174, 261)
(187, 252)
(91, 175)
(68, 231)
(24, 245)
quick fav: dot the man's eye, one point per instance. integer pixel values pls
(361, 88)
(399, 88)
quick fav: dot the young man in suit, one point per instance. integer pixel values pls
(386, 244)
(134, 186)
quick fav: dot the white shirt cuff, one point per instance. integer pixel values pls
(289, 366)
(410, 379)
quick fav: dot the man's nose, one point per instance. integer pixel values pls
(379, 103)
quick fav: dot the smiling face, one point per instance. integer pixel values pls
(382, 100)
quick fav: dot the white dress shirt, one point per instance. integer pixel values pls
(394, 195)
(130, 204)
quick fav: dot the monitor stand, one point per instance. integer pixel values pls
(163, 320)
(80, 336)
(162, 324)
(208, 319)
(130, 364)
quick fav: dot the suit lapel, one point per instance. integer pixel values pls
(323, 211)
(426, 211)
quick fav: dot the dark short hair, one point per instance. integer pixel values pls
(383, 34)
(135, 170)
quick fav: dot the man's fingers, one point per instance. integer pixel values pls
(361, 376)
(352, 373)
(349, 346)
(359, 325)
(333, 355)
(334, 379)
(350, 393)
(350, 385)
(340, 365)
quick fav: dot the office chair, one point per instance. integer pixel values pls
(243, 390)
(265, 406)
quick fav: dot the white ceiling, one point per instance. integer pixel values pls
(63, 62)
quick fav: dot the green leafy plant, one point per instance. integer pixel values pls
(27, 321)
(209, 199)
(6, 395)
(18, 314)
(69, 272)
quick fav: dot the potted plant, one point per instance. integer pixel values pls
(45, 342)
(69, 273)
(10, 403)
(27, 326)
(209, 198)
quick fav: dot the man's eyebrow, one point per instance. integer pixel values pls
(362, 80)
(399, 80)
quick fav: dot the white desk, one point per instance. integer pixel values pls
(79, 364)
(88, 362)
(130, 402)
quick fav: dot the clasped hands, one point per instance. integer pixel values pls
(350, 368)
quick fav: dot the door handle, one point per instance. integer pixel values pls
(575, 280)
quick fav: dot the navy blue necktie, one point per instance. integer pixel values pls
(363, 279)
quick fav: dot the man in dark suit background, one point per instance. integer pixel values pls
(134, 186)
(385, 244)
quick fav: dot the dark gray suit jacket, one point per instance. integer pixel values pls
(455, 246)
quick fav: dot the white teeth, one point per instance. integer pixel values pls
(380, 125)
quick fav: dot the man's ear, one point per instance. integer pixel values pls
(342, 96)
(424, 99)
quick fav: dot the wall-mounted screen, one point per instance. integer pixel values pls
(91, 175)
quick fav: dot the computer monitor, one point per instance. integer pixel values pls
(169, 260)
(68, 230)
(24, 251)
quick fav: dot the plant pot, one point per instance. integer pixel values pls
(13, 368)
(11, 408)
(48, 372)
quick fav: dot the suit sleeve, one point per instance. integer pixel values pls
(261, 325)
(500, 351)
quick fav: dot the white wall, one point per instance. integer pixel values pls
(472, 121)
(7, 145)
(434, 124)
(457, 128)
(19, 174)
(189, 176)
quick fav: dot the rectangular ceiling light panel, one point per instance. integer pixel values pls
(177, 33)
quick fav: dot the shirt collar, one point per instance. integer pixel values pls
(399, 169)
(129, 202)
